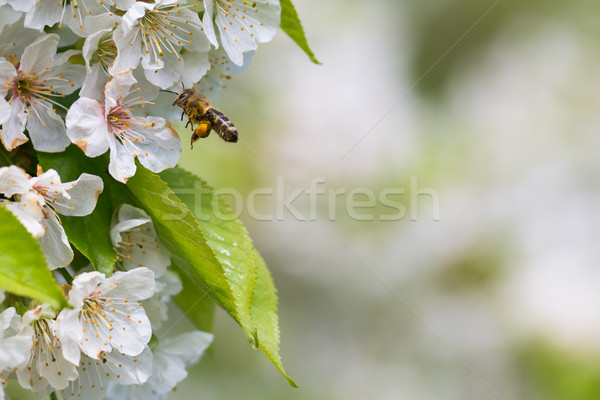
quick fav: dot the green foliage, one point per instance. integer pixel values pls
(212, 249)
(290, 23)
(244, 269)
(264, 313)
(228, 240)
(90, 234)
(180, 233)
(558, 374)
(23, 269)
(196, 305)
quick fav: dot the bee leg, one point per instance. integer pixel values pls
(189, 123)
(201, 131)
(182, 114)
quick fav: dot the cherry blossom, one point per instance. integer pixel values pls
(241, 24)
(157, 33)
(134, 238)
(97, 377)
(37, 200)
(106, 314)
(97, 127)
(47, 365)
(31, 86)
(171, 357)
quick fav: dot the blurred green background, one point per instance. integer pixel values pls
(495, 106)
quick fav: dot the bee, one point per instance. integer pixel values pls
(199, 111)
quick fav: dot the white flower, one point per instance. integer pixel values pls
(97, 377)
(29, 86)
(221, 70)
(156, 307)
(15, 341)
(99, 52)
(171, 358)
(241, 24)
(49, 12)
(15, 344)
(14, 38)
(157, 33)
(106, 314)
(47, 365)
(38, 199)
(134, 238)
(96, 127)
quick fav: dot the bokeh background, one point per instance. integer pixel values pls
(495, 105)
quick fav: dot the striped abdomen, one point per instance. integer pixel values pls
(222, 125)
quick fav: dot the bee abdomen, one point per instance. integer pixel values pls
(222, 125)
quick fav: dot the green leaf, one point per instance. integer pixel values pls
(23, 269)
(196, 304)
(264, 313)
(227, 238)
(180, 233)
(90, 234)
(290, 23)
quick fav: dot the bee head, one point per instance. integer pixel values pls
(183, 97)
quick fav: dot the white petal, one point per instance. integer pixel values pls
(122, 163)
(137, 284)
(7, 74)
(207, 21)
(93, 84)
(83, 285)
(90, 46)
(48, 183)
(84, 194)
(13, 180)
(7, 16)
(173, 355)
(100, 24)
(157, 312)
(47, 364)
(197, 35)
(48, 133)
(22, 5)
(87, 127)
(166, 72)
(196, 66)
(64, 77)
(46, 13)
(129, 49)
(4, 110)
(69, 331)
(92, 384)
(118, 86)
(129, 370)
(14, 36)
(128, 212)
(126, 225)
(40, 54)
(123, 4)
(15, 344)
(12, 131)
(29, 213)
(162, 147)
(133, 15)
(54, 243)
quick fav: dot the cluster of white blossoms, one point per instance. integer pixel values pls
(88, 73)
(101, 346)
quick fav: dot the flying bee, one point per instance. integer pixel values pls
(199, 111)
